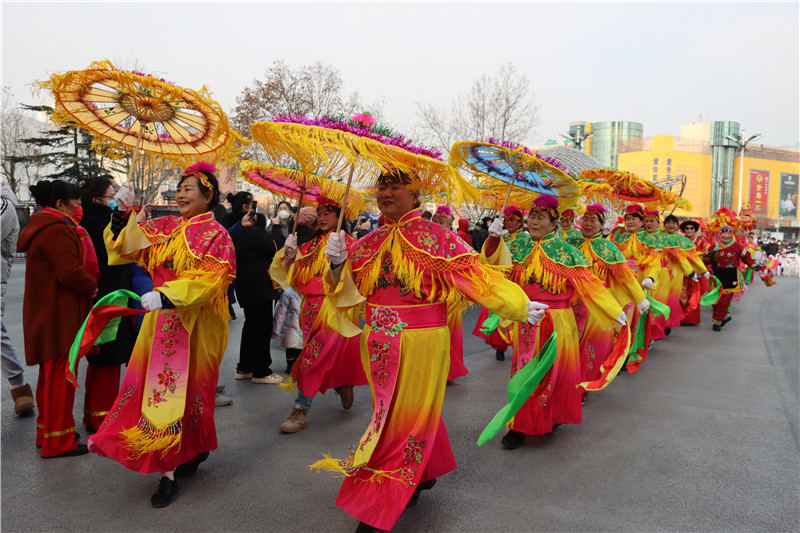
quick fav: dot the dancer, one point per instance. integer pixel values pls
(554, 273)
(328, 360)
(698, 268)
(642, 252)
(408, 269)
(694, 288)
(567, 224)
(726, 256)
(610, 267)
(518, 243)
(163, 419)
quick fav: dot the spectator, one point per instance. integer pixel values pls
(463, 230)
(479, 235)
(60, 282)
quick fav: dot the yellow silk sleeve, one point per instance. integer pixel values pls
(277, 271)
(129, 244)
(197, 287)
(629, 292)
(341, 300)
(598, 300)
(500, 257)
(500, 296)
(696, 262)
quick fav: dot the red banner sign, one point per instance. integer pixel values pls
(759, 191)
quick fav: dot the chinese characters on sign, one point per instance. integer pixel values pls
(759, 191)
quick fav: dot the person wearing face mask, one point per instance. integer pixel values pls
(553, 273)
(610, 267)
(103, 371)
(726, 255)
(60, 281)
(643, 253)
(282, 223)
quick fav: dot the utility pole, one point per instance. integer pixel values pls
(741, 144)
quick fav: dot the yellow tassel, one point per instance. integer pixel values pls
(289, 387)
(328, 463)
(145, 438)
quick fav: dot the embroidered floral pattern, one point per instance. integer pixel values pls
(195, 413)
(375, 427)
(172, 323)
(544, 397)
(123, 399)
(166, 378)
(310, 354)
(386, 320)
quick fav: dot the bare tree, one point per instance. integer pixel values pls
(502, 106)
(17, 156)
(312, 90)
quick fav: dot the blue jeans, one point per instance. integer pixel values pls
(303, 402)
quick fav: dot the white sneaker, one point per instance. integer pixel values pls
(219, 400)
(271, 379)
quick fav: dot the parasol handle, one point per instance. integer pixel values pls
(136, 152)
(299, 206)
(508, 195)
(344, 200)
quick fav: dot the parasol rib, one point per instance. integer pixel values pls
(344, 200)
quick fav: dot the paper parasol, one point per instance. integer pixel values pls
(308, 189)
(622, 188)
(361, 148)
(516, 166)
(131, 110)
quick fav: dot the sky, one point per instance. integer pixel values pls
(659, 64)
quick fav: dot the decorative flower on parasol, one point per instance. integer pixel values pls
(623, 187)
(361, 148)
(294, 184)
(516, 166)
(131, 110)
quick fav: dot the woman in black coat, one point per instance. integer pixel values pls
(255, 249)
(103, 372)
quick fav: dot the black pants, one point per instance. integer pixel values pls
(254, 354)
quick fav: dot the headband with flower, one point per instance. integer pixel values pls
(198, 170)
(546, 203)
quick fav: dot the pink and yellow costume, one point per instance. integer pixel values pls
(612, 269)
(694, 289)
(554, 273)
(328, 359)
(641, 250)
(674, 266)
(164, 414)
(409, 271)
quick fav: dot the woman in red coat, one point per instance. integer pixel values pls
(58, 295)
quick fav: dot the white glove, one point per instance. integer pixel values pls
(707, 274)
(151, 301)
(693, 276)
(125, 196)
(496, 227)
(643, 306)
(622, 319)
(536, 311)
(336, 249)
(290, 247)
(647, 283)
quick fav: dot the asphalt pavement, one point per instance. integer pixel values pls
(703, 438)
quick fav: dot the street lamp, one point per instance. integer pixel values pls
(741, 143)
(577, 141)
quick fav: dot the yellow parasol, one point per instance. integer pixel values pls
(131, 110)
(621, 188)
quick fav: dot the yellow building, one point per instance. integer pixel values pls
(770, 175)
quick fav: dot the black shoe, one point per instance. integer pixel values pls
(366, 528)
(189, 469)
(513, 440)
(500, 355)
(727, 319)
(716, 327)
(428, 485)
(166, 493)
(667, 331)
(82, 449)
(232, 312)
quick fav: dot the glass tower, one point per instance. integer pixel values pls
(606, 137)
(723, 153)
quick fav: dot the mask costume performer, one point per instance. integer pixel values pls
(518, 242)
(726, 255)
(642, 251)
(553, 273)
(674, 267)
(602, 350)
(163, 419)
(688, 297)
(693, 289)
(328, 360)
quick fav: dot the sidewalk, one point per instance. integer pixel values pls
(703, 438)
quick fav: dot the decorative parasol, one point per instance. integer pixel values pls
(131, 110)
(362, 149)
(294, 184)
(515, 166)
(622, 188)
